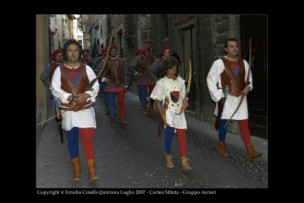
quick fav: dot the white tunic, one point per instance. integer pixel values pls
(162, 90)
(81, 119)
(214, 78)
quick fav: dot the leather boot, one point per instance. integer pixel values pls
(251, 153)
(169, 162)
(91, 169)
(222, 148)
(113, 123)
(124, 122)
(146, 111)
(76, 167)
(185, 165)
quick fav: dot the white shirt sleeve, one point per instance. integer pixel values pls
(213, 77)
(250, 76)
(158, 91)
(56, 87)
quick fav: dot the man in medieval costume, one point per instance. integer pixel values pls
(156, 67)
(86, 58)
(229, 83)
(46, 78)
(97, 66)
(144, 79)
(70, 86)
(46, 75)
(115, 78)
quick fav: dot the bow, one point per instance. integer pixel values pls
(58, 119)
(188, 87)
(104, 64)
(246, 82)
(56, 116)
(90, 85)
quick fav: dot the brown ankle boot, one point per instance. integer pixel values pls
(146, 111)
(91, 169)
(124, 122)
(222, 148)
(113, 123)
(185, 165)
(76, 167)
(251, 153)
(169, 162)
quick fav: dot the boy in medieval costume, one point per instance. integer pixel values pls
(170, 89)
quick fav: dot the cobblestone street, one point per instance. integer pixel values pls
(134, 157)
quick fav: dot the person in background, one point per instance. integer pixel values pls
(135, 62)
(115, 78)
(86, 59)
(97, 66)
(144, 79)
(47, 74)
(155, 68)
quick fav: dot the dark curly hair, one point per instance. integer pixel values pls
(168, 63)
(228, 40)
(65, 46)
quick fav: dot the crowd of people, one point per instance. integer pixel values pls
(158, 81)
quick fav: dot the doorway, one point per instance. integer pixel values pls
(255, 26)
